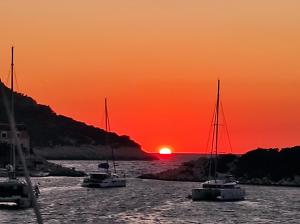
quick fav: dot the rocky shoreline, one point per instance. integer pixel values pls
(288, 182)
(257, 167)
(92, 152)
(168, 175)
(59, 170)
(40, 167)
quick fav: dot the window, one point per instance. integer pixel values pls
(3, 134)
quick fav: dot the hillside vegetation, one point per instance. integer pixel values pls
(49, 130)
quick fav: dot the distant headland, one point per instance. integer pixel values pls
(57, 137)
(259, 167)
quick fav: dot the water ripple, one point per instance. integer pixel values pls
(63, 200)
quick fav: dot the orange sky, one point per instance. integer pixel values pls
(158, 62)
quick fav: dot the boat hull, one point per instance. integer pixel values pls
(21, 202)
(105, 183)
(15, 191)
(218, 194)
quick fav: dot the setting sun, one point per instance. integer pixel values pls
(165, 151)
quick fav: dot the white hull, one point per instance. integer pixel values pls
(218, 194)
(21, 202)
(106, 183)
(114, 183)
(15, 191)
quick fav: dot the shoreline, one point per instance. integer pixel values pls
(97, 159)
(93, 152)
(265, 167)
(201, 181)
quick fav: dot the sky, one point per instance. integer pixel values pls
(158, 62)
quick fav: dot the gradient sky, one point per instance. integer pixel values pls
(158, 62)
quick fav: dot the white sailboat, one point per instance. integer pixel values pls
(106, 178)
(226, 189)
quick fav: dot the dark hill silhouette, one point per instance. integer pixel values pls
(47, 129)
(273, 164)
(259, 166)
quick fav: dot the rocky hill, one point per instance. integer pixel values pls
(259, 166)
(54, 136)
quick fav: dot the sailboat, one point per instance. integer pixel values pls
(226, 189)
(105, 178)
(13, 189)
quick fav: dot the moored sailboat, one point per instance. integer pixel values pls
(13, 189)
(226, 189)
(105, 178)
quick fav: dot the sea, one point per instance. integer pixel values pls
(63, 200)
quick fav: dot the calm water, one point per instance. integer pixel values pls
(63, 200)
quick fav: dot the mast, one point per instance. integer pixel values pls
(12, 80)
(12, 110)
(217, 128)
(107, 128)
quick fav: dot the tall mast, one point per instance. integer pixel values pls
(12, 111)
(12, 81)
(107, 128)
(217, 127)
(105, 114)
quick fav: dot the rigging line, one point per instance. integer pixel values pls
(106, 129)
(217, 128)
(12, 112)
(212, 143)
(226, 127)
(209, 133)
(208, 141)
(7, 82)
(106, 115)
(102, 124)
(7, 78)
(16, 80)
(12, 125)
(108, 121)
(222, 142)
(108, 126)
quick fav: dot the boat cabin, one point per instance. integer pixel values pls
(219, 185)
(98, 176)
